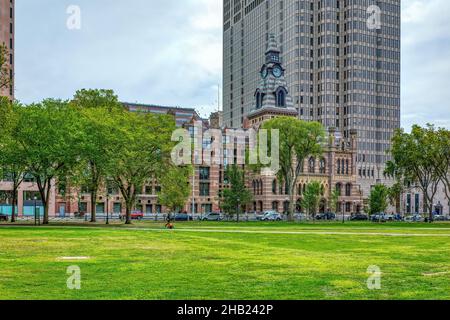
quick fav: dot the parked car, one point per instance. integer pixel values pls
(264, 214)
(272, 216)
(398, 217)
(137, 215)
(3, 217)
(382, 217)
(326, 216)
(183, 217)
(440, 218)
(414, 218)
(359, 217)
(213, 216)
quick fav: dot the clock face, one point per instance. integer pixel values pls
(277, 72)
(264, 73)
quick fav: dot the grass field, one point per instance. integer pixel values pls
(226, 261)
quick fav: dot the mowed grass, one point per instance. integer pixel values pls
(227, 261)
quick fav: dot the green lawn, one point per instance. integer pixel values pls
(227, 261)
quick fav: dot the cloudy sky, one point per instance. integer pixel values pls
(170, 53)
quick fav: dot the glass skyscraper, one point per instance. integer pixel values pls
(342, 60)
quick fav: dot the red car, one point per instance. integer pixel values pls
(137, 215)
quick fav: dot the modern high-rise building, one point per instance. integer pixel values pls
(7, 38)
(342, 61)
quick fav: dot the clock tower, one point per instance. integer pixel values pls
(272, 96)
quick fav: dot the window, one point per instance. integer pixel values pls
(259, 98)
(281, 97)
(274, 187)
(348, 190)
(312, 165)
(204, 173)
(204, 189)
(322, 165)
(339, 189)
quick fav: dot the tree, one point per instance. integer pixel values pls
(50, 138)
(443, 167)
(311, 198)
(334, 200)
(237, 195)
(394, 195)
(416, 158)
(378, 199)
(13, 163)
(142, 146)
(175, 188)
(5, 77)
(95, 108)
(298, 140)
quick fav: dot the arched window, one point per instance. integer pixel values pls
(274, 186)
(257, 187)
(339, 189)
(254, 187)
(312, 165)
(258, 97)
(261, 190)
(281, 97)
(347, 167)
(339, 166)
(322, 165)
(348, 190)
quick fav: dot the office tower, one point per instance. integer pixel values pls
(343, 69)
(7, 38)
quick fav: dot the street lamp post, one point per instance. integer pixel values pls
(35, 212)
(107, 208)
(237, 209)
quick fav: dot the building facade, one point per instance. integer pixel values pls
(7, 27)
(342, 60)
(334, 170)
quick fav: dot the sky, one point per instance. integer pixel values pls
(170, 53)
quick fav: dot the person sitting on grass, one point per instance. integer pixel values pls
(169, 224)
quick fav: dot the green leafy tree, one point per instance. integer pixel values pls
(5, 78)
(416, 158)
(237, 195)
(334, 200)
(13, 163)
(95, 108)
(378, 200)
(395, 195)
(50, 138)
(298, 140)
(175, 188)
(443, 167)
(142, 146)
(311, 198)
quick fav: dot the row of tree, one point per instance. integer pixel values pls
(421, 160)
(89, 141)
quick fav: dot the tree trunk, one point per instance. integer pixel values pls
(128, 212)
(292, 206)
(13, 209)
(93, 206)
